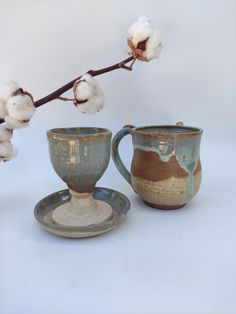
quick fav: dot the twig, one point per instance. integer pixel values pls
(130, 67)
(65, 99)
(69, 85)
(57, 94)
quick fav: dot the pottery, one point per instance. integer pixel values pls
(166, 169)
(80, 156)
(45, 208)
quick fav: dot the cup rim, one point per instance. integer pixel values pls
(189, 130)
(65, 132)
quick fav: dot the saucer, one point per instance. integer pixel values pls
(44, 209)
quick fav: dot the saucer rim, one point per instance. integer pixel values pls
(87, 231)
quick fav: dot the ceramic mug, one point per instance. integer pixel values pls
(166, 168)
(80, 156)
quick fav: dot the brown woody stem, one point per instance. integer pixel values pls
(65, 99)
(57, 94)
(65, 88)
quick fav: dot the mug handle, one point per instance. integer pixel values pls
(115, 152)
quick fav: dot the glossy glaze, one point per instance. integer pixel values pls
(79, 156)
(166, 168)
(44, 209)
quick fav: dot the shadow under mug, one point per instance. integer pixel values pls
(166, 168)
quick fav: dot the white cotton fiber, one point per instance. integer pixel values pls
(8, 89)
(153, 46)
(15, 123)
(20, 107)
(88, 89)
(83, 90)
(7, 151)
(5, 134)
(3, 109)
(139, 32)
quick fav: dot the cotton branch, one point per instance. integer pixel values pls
(57, 94)
(68, 86)
(17, 105)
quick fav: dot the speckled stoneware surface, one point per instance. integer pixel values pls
(166, 168)
(44, 209)
(79, 156)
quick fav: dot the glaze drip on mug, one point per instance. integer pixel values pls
(186, 153)
(166, 168)
(164, 156)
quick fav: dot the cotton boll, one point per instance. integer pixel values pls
(15, 123)
(8, 125)
(89, 79)
(99, 101)
(153, 45)
(5, 134)
(92, 106)
(8, 89)
(87, 107)
(82, 90)
(141, 35)
(21, 107)
(99, 95)
(144, 43)
(7, 151)
(3, 109)
(89, 97)
(140, 30)
(142, 22)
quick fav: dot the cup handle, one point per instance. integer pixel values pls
(115, 152)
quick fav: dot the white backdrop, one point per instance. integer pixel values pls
(156, 262)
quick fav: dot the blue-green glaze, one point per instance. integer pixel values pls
(44, 209)
(160, 150)
(167, 141)
(186, 151)
(115, 152)
(188, 154)
(79, 156)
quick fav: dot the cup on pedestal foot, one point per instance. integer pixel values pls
(80, 156)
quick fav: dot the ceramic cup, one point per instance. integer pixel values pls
(166, 169)
(80, 156)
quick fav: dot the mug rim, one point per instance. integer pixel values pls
(65, 132)
(190, 130)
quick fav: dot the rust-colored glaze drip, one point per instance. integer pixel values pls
(199, 167)
(155, 169)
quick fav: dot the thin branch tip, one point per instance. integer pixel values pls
(60, 91)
